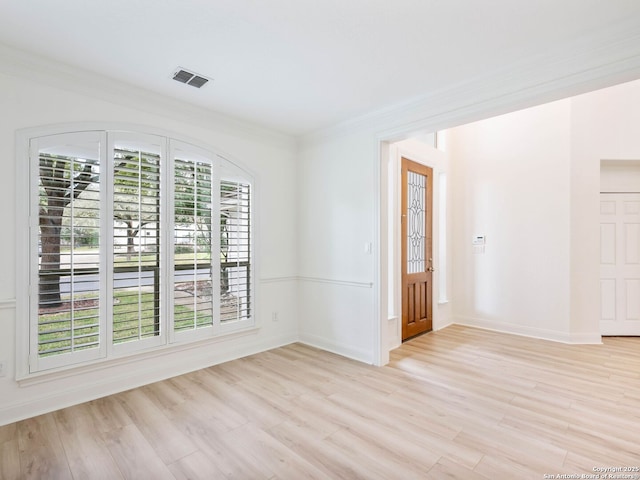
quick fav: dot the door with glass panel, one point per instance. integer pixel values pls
(417, 258)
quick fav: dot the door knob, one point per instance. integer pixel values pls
(431, 269)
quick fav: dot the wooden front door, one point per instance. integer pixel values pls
(417, 257)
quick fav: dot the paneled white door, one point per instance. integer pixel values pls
(620, 263)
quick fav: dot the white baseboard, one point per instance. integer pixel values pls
(394, 332)
(337, 348)
(527, 331)
(441, 326)
(586, 338)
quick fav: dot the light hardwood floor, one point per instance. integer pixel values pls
(459, 403)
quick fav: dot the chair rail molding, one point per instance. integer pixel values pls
(8, 304)
(348, 283)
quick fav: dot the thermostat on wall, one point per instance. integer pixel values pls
(479, 239)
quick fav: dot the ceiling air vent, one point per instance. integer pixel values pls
(184, 76)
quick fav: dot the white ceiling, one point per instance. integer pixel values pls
(301, 65)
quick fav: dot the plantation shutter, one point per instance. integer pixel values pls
(195, 281)
(235, 251)
(135, 241)
(137, 248)
(67, 326)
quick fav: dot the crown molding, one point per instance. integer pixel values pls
(42, 70)
(584, 65)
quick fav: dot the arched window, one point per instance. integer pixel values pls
(134, 241)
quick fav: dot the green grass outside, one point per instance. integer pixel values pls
(55, 328)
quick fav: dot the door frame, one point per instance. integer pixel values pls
(389, 333)
(617, 177)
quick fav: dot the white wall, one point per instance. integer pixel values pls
(336, 219)
(343, 298)
(537, 199)
(511, 183)
(530, 181)
(26, 103)
(605, 126)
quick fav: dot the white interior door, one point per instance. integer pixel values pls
(620, 263)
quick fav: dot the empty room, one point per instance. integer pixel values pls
(295, 239)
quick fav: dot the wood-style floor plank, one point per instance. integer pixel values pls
(41, 452)
(447, 469)
(10, 460)
(196, 466)
(166, 440)
(460, 403)
(108, 414)
(330, 459)
(134, 455)
(9, 453)
(86, 453)
(271, 456)
(8, 432)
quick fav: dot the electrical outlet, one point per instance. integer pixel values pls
(3, 368)
(274, 316)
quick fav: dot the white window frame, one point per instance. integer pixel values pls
(29, 365)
